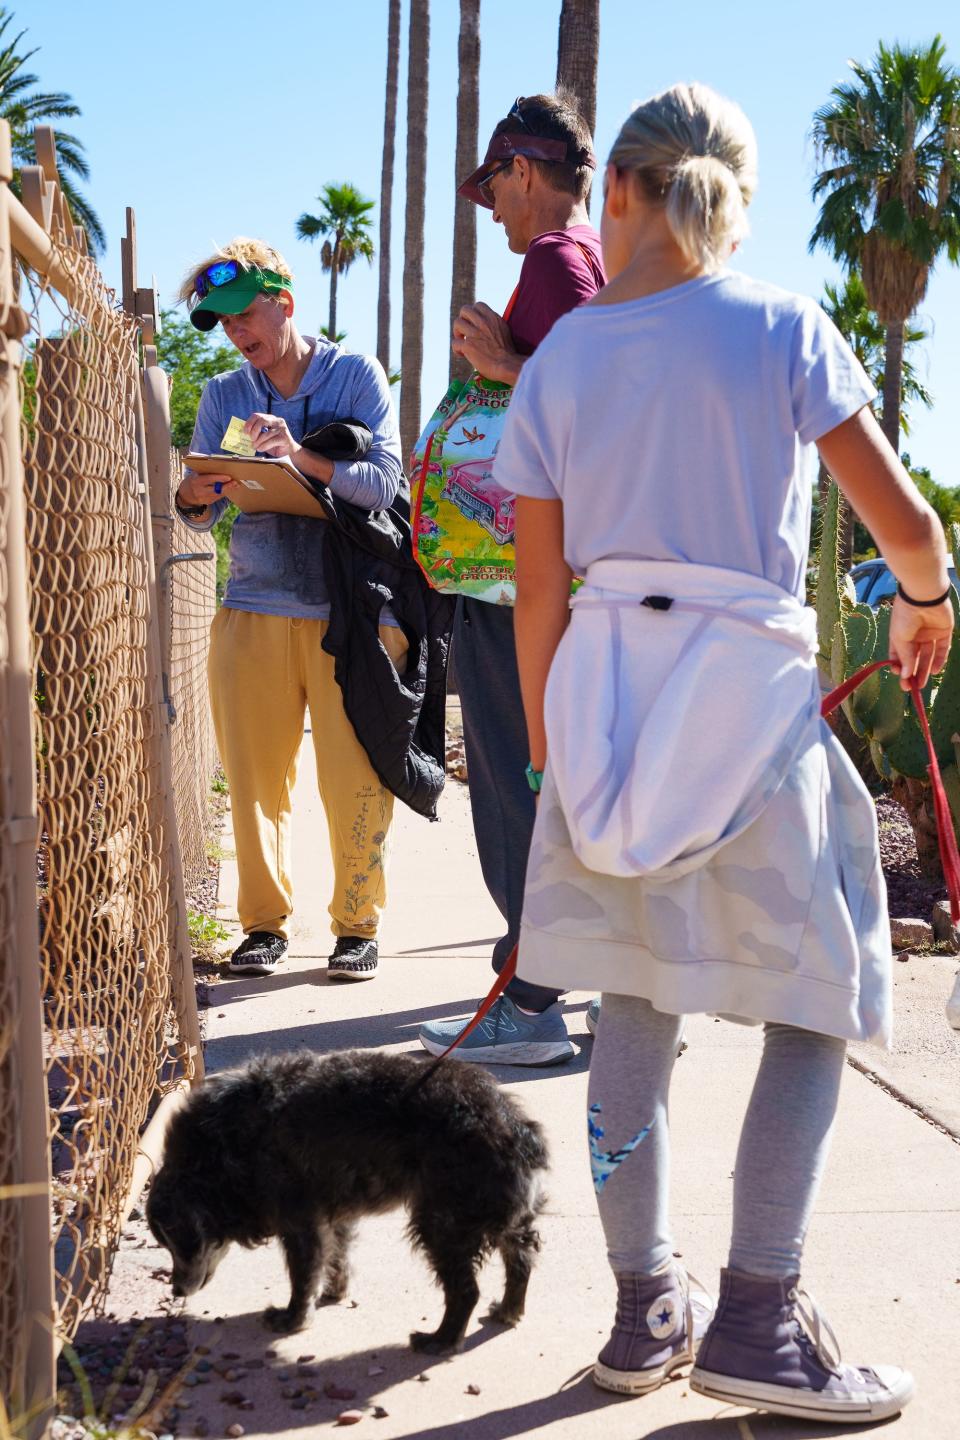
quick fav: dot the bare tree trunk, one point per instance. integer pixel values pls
(411, 353)
(334, 271)
(464, 286)
(386, 183)
(577, 50)
(893, 382)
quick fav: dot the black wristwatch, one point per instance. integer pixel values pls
(189, 512)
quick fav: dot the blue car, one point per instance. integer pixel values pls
(875, 582)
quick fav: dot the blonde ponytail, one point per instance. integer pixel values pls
(695, 153)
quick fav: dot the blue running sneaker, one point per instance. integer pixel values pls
(593, 1020)
(506, 1036)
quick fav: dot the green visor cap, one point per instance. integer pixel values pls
(237, 295)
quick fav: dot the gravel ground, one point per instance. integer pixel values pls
(131, 1373)
(911, 895)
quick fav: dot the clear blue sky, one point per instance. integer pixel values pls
(216, 120)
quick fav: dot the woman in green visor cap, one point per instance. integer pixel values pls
(267, 666)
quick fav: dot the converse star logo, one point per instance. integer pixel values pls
(662, 1317)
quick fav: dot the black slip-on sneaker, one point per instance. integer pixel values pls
(259, 953)
(353, 958)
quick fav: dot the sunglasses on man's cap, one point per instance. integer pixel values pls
(227, 288)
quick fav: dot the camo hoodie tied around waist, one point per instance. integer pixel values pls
(702, 839)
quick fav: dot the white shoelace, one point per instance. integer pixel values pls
(687, 1284)
(817, 1330)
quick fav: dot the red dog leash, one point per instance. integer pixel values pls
(501, 981)
(949, 855)
(946, 838)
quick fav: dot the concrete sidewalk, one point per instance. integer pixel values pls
(883, 1256)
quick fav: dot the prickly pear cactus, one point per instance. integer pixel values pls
(852, 636)
(830, 593)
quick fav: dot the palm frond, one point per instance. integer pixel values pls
(23, 107)
(13, 80)
(84, 214)
(38, 107)
(310, 226)
(70, 156)
(889, 172)
(344, 213)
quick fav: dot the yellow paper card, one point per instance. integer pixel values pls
(235, 440)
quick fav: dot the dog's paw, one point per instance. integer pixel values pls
(426, 1343)
(330, 1297)
(282, 1322)
(503, 1316)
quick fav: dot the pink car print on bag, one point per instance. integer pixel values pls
(473, 490)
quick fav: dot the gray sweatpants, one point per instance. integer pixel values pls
(783, 1143)
(495, 739)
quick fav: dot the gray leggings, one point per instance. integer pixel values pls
(783, 1144)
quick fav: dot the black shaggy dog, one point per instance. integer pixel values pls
(300, 1147)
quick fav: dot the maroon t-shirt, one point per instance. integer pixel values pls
(561, 269)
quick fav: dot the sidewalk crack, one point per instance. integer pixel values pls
(863, 1069)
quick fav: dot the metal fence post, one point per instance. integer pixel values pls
(185, 997)
(38, 1359)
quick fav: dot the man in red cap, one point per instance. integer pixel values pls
(535, 177)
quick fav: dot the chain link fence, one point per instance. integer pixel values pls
(188, 602)
(118, 741)
(193, 603)
(11, 1233)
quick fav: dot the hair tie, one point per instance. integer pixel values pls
(923, 604)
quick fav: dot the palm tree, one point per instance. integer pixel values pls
(849, 309)
(345, 220)
(23, 108)
(386, 183)
(464, 287)
(411, 352)
(578, 47)
(891, 187)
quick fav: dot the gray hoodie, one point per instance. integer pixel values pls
(276, 560)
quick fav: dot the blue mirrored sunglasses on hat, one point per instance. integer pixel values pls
(220, 273)
(516, 113)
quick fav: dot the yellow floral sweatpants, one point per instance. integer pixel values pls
(265, 672)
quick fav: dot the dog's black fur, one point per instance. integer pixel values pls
(300, 1147)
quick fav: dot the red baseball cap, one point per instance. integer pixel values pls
(504, 147)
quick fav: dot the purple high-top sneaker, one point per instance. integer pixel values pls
(659, 1320)
(768, 1347)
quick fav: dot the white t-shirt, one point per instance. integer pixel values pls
(682, 426)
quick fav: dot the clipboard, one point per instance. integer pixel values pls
(266, 484)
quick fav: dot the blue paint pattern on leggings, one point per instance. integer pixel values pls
(604, 1162)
